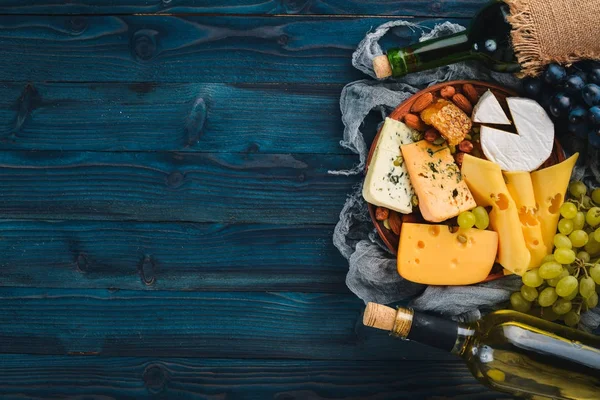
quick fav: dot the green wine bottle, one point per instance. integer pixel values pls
(487, 40)
(506, 350)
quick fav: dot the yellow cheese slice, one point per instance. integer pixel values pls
(520, 188)
(432, 255)
(550, 186)
(487, 185)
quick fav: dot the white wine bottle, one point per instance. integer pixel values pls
(487, 40)
(507, 350)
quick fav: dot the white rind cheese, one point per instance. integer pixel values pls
(387, 183)
(526, 151)
(489, 111)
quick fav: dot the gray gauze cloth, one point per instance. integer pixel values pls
(372, 275)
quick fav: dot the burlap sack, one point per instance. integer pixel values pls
(561, 31)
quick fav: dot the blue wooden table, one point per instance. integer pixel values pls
(166, 211)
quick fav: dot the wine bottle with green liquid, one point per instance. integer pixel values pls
(486, 40)
(506, 350)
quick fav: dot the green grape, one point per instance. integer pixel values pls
(584, 256)
(572, 295)
(568, 210)
(519, 303)
(577, 189)
(597, 235)
(592, 247)
(562, 306)
(562, 242)
(547, 258)
(592, 301)
(547, 297)
(550, 270)
(466, 219)
(565, 226)
(579, 220)
(571, 318)
(587, 286)
(596, 196)
(595, 273)
(578, 238)
(587, 202)
(564, 256)
(548, 314)
(532, 278)
(554, 281)
(529, 293)
(566, 286)
(593, 216)
(482, 219)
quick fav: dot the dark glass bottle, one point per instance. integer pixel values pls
(487, 40)
(506, 350)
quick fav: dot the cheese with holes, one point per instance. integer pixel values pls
(486, 182)
(438, 183)
(520, 188)
(387, 183)
(432, 255)
(550, 187)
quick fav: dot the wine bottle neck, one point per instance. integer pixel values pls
(431, 54)
(427, 329)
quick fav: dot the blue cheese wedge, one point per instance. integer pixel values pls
(387, 183)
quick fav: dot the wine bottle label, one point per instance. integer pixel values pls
(433, 331)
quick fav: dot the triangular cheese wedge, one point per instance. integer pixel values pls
(489, 111)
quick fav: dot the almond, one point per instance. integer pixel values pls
(447, 92)
(431, 134)
(471, 93)
(381, 213)
(414, 122)
(422, 103)
(465, 146)
(395, 222)
(462, 102)
(459, 157)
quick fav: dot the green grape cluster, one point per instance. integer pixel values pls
(567, 282)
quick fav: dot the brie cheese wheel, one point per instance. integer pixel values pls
(489, 111)
(527, 150)
(387, 183)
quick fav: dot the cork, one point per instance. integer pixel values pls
(382, 67)
(379, 316)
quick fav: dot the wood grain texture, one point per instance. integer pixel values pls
(42, 377)
(195, 324)
(187, 49)
(438, 8)
(169, 256)
(198, 187)
(266, 118)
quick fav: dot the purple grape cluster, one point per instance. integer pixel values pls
(571, 96)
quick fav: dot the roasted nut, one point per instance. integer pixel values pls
(471, 93)
(414, 122)
(422, 103)
(459, 157)
(431, 134)
(447, 92)
(465, 146)
(463, 103)
(409, 218)
(395, 222)
(381, 213)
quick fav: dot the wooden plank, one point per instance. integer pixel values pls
(42, 377)
(438, 8)
(268, 118)
(197, 187)
(168, 256)
(186, 49)
(195, 324)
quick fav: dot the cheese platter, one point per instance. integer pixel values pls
(415, 179)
